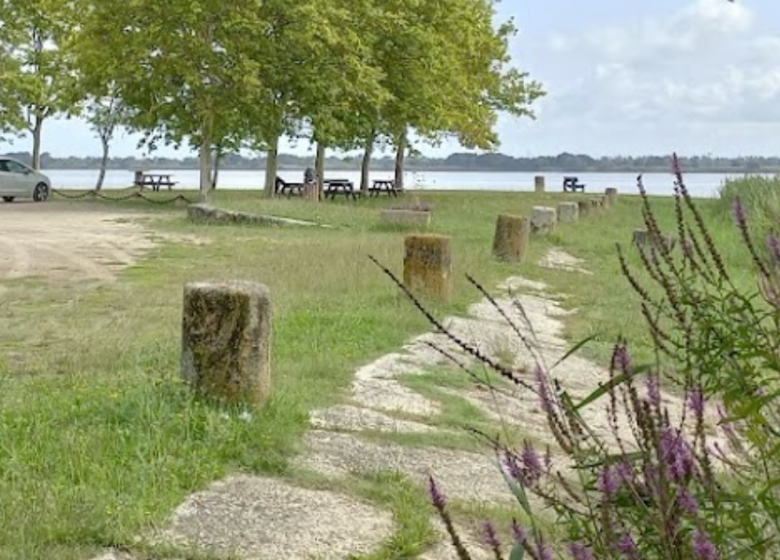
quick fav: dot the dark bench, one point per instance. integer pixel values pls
(335, 187)
(572, 184)
(380, 186)
(283, 187)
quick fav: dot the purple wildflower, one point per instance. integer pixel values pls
(687, 501)
(627, 547)
(625, 471)
(622, 358)
(437, 498)
(579, 551)
(532, 464)
(513, 466)
(774, 247)
(703, 548)
(609, 482)
(739, 214)
(676, 455)
(544, 552)
(653, 388)
(696, 402)
(526, 469)
(676, 169)
(519, 532)
(490, 535)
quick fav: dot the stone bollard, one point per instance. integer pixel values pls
(311, 192)
(642, 239)
(612, 195)
(226, 341)
(605, 202)
(539, 185)
(510, 242)
(405, 218)
(428, 265)
(543, 219)
(584, 208)
(568, 212)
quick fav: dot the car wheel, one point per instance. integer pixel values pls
(41, 192)
(8, 199)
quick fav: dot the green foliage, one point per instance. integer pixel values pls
(760, 197)
(36, 64)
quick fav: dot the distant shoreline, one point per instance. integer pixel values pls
(151, 167)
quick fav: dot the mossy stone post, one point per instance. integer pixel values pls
(510, 242)
(585, 208)
(543, 219)
(226, 341)
(539, 185)
(428, 265)
(605, 202)
(568, 212)
(612, 195)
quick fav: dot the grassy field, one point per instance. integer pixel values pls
(99, 439)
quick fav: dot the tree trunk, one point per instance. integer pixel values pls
(215, 173)
(400, 158)
(271, 168)
(365, 169)
(36, 131)
(319, 168)
(103, 163)
(205, 167)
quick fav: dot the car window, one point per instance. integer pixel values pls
(15, 167)
(3, 166)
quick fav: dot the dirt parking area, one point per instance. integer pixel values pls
(69, 242)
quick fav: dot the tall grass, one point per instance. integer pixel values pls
(760, 196)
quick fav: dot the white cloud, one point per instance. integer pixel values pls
(704, 62)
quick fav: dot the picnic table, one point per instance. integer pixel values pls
(334, 187)
(283, 187)
(383, 185)
(153, 180)
(573, 184)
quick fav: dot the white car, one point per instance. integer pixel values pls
(20, 181)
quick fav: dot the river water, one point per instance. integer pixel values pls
(699, 184)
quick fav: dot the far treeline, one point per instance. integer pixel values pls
(562, 163)
(226, 77)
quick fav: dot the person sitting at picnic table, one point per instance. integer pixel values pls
(309, 176)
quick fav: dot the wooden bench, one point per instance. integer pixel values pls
(334, 187)
(283, 187)
(380, 186)
(572, 184)
(153, 180)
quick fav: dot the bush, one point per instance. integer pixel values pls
(672, 489)
(760, 196)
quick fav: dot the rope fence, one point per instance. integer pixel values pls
(93, 194)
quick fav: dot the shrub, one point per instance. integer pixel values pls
(668, 490)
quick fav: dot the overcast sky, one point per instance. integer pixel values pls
(623, 78)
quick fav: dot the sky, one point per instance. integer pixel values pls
(623, 77)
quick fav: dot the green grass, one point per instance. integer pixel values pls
(99, 439)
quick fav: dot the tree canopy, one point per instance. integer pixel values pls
(221, 76)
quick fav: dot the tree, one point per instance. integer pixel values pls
(315, 64)
(447, 70)
(105, 113)
(40, 69)
(185, 70)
